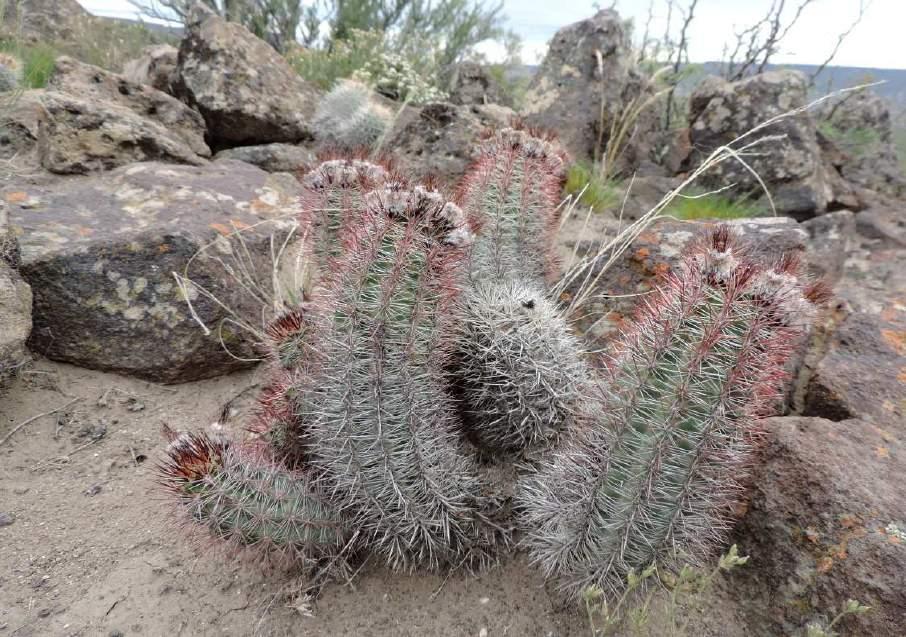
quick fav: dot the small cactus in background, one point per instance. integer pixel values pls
(243, 497)
(380, 425)
(518, 369)
(10, 73)
(660, 470)
(348, 118)
(512, 193)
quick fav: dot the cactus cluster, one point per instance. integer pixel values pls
(350, 118)
(429, 347)
(660, 471)
(10, 72)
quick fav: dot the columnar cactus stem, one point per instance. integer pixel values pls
(519, 369)
(243, 497)
(512, 193)
(381, 427)
(349, 118)
(661, 469)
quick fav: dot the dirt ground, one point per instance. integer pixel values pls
(93, 548)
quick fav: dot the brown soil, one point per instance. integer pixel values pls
(94, 550)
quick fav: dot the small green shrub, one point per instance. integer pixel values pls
(599, 194)
(395, 77)
(324, 67)
(714, 206)
(858, 142)
(36, 60)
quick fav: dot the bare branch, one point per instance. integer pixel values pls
(863, 7)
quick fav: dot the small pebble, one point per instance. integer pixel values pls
(483, 632)
(6, 518)
(44, 612)
(93, 490)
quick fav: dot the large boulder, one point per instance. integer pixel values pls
(790, 165)
(15, 317)
(472, 84)
(247, 93)
(79, 136)
(585, 83)
(156, 67)
(826, 523)
(860, 126)
(441, 139)
(45, 20)
(100, 254)
(95, 84)
(614, 292)
(274, 158)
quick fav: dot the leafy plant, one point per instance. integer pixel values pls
(324, 67)
(857, 141)
(393, 76)
(851, 607)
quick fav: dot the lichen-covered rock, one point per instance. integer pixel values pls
(790, 166)
(156, 67)
(97, 85)
(274, 158)
(440, 139)
(574, 83)
(79, 136)
(15, 319)
(45, 20)
(247, 93)
(826, 523)
(472, 84)
(860, 126)
(862, 373)
(657, 251)
(100, 253)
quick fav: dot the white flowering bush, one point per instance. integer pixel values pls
(393, 76)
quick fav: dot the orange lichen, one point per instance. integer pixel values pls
(896, 339)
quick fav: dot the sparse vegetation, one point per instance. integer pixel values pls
(632, 610)
(583, 180)
(856, 141)
(711, 205)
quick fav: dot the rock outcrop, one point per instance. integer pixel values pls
(79, 136)
(156, 67)
(860, 125)
(247, 93)
(440, 139)
(790, 166)
(825, 524)
(472, 84)
(590, 65)
(100, 254)
(274, 158)
(94, 84)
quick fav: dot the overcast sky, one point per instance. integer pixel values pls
(879, 41)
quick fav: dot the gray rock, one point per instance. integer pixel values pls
(862, 373)
(15, 317)
(860, 126)
(156, 67)
(885, 225)
(567, 94)
(440, 139)
(274, 158)
(826, 523)
(472, 84)
(80, 136)
(657, 251)
(831, 236)
(791, 167)
(6, 518)
(100, 253)
(9, 245)
(247, 93)
(19, 124)
(46, 20)
(92, 83)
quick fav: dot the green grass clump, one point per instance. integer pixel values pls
(596, 193)
(37, 62)
(324, 67)
(860, 141)
(714, 206)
